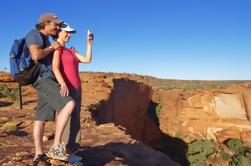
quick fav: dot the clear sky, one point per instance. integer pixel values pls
(173, 39)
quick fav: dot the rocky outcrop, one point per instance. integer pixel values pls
(6, 77)
(230, 106)
(105, 144)
(121, 103)
(202, 113)
(222, 104)
(100, 145)
(247, 102)
(127, 106)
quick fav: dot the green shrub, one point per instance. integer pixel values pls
(239, 160)
(178, 135)
(242, 154)
(158, 108)
(198, 159)
(234, 144)
(226, 156)
(199, 150)
(247, 153)
(10, 93)
(9, 126)
(4, 90)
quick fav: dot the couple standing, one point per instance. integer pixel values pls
(58, 87)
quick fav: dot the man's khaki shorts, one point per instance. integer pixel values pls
(49, 99)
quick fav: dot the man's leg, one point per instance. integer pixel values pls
(43, 113)
(38, 132)
(64, 107)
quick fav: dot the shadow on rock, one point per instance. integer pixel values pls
(174, 147)
(5, 103)
(126, 154)
(130, 106)
(18, 133)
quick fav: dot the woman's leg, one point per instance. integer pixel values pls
(62, 118)
(71, 134)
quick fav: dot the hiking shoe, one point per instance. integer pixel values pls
(74, 158)
(58, 152)
(40, 157)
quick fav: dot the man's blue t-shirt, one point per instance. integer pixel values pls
(38, 38)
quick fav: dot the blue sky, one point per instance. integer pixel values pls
(173, 39)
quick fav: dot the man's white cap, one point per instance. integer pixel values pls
(66, 27)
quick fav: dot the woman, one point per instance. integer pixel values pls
(65, 67)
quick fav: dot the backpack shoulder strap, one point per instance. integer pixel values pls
(44, 38)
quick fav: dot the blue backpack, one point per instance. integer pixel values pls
(23, 69)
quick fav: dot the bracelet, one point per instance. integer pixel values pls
(50, 47)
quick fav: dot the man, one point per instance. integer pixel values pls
(49, 98)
